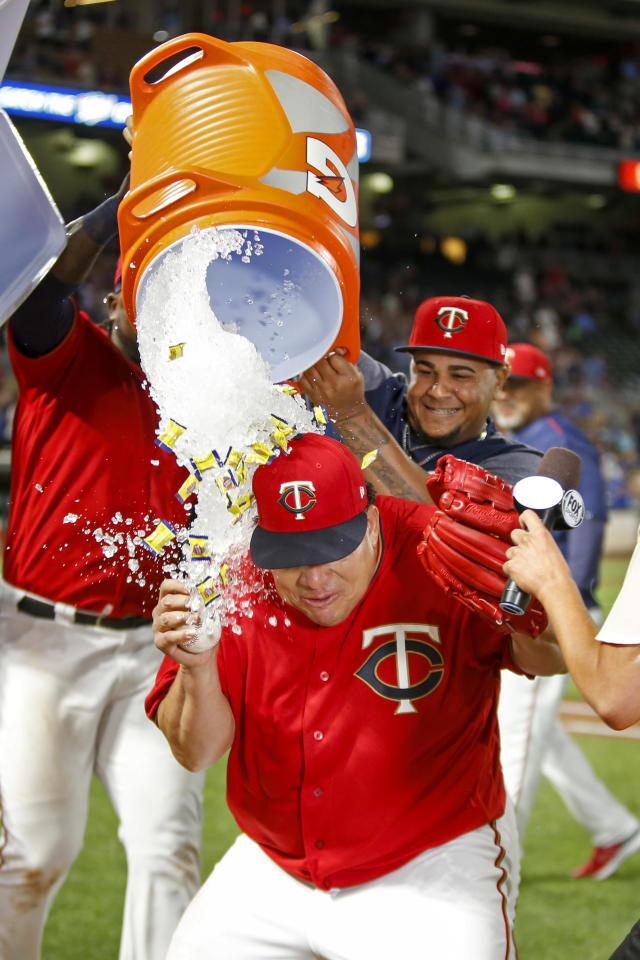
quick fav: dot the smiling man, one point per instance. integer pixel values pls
(358, 700)
(458, 364)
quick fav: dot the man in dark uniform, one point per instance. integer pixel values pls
(458, 363)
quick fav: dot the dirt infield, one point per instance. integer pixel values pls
(578, 717)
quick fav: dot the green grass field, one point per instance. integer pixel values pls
(558, 918)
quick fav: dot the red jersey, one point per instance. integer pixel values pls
(360, 745)
(87, 477)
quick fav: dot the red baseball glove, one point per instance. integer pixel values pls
(466, 540)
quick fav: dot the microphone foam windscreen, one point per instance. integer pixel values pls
(562, 465)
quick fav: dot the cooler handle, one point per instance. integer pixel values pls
(214, 52)
(202, 186)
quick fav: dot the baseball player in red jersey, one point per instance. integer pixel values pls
(77, 655)
(359, 703)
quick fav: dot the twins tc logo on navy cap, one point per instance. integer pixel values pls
(459, 325)
(312, 505)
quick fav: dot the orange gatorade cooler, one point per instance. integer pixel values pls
(257, 138)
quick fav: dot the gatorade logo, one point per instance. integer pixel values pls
(331, 182)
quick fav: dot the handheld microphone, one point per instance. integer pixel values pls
(551, 493)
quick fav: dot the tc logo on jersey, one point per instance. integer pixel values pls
(417, 664)
(297, 496)
(451, 320)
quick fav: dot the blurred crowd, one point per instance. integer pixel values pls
(589, 99)
(593, 100)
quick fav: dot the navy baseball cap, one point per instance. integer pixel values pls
(312, 505)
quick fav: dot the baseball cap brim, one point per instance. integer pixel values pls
(271, 550)
(458, 353)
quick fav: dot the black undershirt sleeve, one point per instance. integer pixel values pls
(44, 319)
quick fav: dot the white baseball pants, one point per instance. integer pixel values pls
(534, 742)
(450, 903)
(71, 703)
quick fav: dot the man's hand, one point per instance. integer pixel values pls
(336, 383)
(175, 624)
(127, 132)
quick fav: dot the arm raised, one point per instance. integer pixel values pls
(339, 385)
(195, 716)
(607, 675)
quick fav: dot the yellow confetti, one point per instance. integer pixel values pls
(286, 387)
(238, 507)
(208, 590)
(320, 413)
(221, 461)
(201, 464)
(189, 487)
(224, 573)
(199, 544)
(369, 458)
(279, 437)
(162, 534)
(167, 439)
(176, 351)
(226, 482)
(260, 453)
(234, 458)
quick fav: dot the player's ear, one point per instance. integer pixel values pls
(501, 376)
(373, 525)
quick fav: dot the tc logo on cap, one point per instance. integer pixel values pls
(451, 320)
(298, 496)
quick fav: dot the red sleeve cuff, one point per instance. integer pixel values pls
(165, 677)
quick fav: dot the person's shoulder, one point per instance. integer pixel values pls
(374, 371)
(557, 430)
(403, 516)
(380, 382)
(576, 439)
(509, 458)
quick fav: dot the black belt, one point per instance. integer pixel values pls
(47, 611)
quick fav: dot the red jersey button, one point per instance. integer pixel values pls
(324, 676)
(317, 792)
(319, 844)
(318, 734)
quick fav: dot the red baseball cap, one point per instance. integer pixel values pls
(312, 505)
(528, 362)
(459, 325)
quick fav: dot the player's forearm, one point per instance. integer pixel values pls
(196, 717)
(540, 656)
(392, 472)
(607, 675)
(87, 236)
(576, 632)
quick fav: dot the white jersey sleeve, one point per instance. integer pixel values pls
(621, 626)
